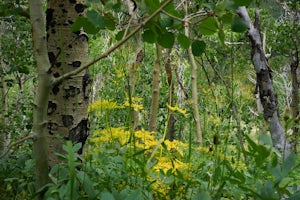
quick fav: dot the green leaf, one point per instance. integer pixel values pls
(135, 195)
(96, 19)
(221, 35)
(201, 196)
(295, 196)
(109, 22)
(288, 164)
(242, 2)
(276, 172)
(227, 18)
(83, 22)
(87, 184)
(239, 25)
(152, 4)
(107, 196)
(183, 41)
(208, 26)
(170, 8)
(220, 9)
(149, 36)
(166, 40)
(166, 21)
(198, 47)
(120, 35)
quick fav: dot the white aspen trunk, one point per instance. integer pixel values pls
(180, 92)
(264, 82)
(136, 45)
(68, 101)
(40, 145)
(155, 90)
(194, 84)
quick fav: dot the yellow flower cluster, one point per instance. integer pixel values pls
(143, 140)
(110, 105)
(214, 120)
(109, 135)
(135, 103)
(103, 105)
(176, 145)
(177, 109)
(166, 164)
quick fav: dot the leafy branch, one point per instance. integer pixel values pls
(17, 143)
(111, 49)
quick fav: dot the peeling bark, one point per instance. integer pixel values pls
(264, 82)
(68, 101)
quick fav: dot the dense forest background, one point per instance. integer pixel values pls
(149, 99)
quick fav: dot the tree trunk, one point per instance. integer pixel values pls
(194, 84)
(264, 82)
(136, 45)
(168, 68)
(68, 101)
(295, 97)
(3, 141)
(155, 89)
(42, 94)
(181, 93)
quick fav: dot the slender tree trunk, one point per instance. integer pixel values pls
(155, 89)
(295, 97)
(20, 91)
(136, 44)
(181, 93)
(264, 82)
(42, 94)
(194, 84)
(3, 134)
(68, 101)
(168, 68)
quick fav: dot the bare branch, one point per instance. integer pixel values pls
(17, 143)
(111, 49)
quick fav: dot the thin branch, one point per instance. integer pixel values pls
(173, 16)
(112, 49)
(17, 143)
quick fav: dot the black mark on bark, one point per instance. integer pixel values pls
(51, 107)
(79, 133)
(67, 120)
(52, 127)
(71, 92)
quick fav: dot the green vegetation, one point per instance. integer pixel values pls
(122, 158)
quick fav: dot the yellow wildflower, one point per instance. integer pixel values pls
(176, 108)
(135, 103)
(119, 73)
(175, 145)
(110, 134)
(166, 163)
(103, 105)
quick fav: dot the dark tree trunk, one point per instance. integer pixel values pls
(264, 81)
